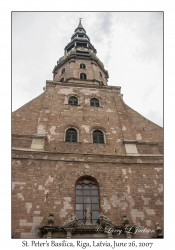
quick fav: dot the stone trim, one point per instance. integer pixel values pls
(130, 147)
(161, 155)
(39, 136)
(51, 83)
(38, 141)
(21, 136)
(27, 149)
(148, 143)
(151, 161)
(91, 155)
(126, 141)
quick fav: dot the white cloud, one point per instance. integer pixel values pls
(128, 43)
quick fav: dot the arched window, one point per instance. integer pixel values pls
(73, 100)
(71, 135)
(63, 71)
(87, 196)
(94, 102)
(82, 66)
(62, 80)
(98, 136)
(83, 76)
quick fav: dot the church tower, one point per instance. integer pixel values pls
(80, 63)
(83, 160)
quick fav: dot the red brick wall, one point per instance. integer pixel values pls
(48, 185)
(144, 129)
(44, 182)
(25, 119)
(21, 142)
(50, 114)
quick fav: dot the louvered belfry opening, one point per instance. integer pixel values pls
(87, 196)
(98, 137)
(71, 135)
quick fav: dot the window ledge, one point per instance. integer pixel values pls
(95, 106)
(86, 143)
(72, 104)
(27, 149)
(71, 141)
(98, 143)
(130, 154)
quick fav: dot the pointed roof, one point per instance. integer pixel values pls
(80, 26)
(79, 46)
(80, 39)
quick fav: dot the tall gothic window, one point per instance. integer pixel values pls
(94, 102)
(98, 136)
(87, 196)
(73, 100)
(83, 76)
(71, 135)
(82, 66)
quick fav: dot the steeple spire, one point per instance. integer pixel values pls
(80, 24)
(79, 48)
(80, 39)
(80, 27)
